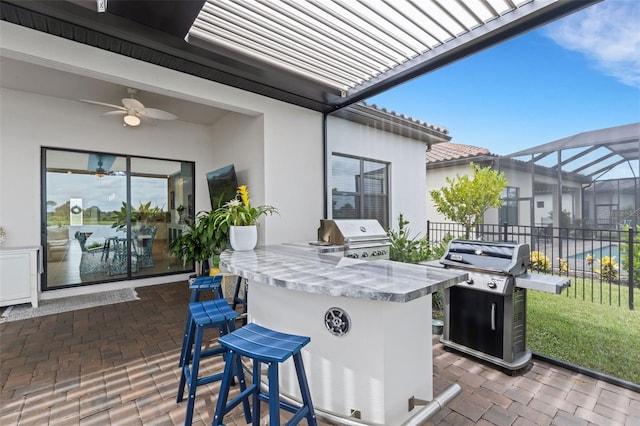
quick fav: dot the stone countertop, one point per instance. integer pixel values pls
(313, 270)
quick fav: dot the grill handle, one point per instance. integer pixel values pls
(493, 317)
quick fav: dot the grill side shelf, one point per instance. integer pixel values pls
(546, 283)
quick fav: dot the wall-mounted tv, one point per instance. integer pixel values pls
(223, 184)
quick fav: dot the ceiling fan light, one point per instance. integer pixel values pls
(131, 120)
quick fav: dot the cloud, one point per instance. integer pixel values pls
(608, 34)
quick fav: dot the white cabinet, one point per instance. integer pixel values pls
(19, 275)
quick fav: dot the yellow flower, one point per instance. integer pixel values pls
(540, 262)
(244, 194)
(608, 268)
(564, 265)
(589, 259)
(239, 211)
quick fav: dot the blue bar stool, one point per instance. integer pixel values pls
(237, 300)
(197, 287)
(272, 347)
(204, 315)
(202, 284)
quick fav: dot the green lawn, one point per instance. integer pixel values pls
(596, 336)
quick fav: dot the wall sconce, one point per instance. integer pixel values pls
(131, 120)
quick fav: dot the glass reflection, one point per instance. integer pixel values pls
(93, 235)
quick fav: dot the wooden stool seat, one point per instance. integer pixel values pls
(202, 284)
(272, 347)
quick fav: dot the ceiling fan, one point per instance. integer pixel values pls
(133, 110)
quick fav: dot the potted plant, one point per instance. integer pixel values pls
(201, 241)
(240, 218)
(191, 247)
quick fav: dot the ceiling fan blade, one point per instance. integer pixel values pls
(119, 112)
(158, 114)
(131, 103)
(103, 104)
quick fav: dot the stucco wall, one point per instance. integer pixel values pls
(521, 179)
(407, 157)
(277, 146)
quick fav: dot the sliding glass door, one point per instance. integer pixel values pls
(110, 217)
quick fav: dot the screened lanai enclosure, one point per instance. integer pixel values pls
(595, 179)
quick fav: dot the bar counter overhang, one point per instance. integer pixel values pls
(369, 323)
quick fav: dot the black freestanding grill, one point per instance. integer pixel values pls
(486, 316)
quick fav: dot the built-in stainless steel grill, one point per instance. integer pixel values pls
(361, 238)
(485, 316)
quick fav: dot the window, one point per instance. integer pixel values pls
(540, 204)
(111, 217)
(360, 189)
(509, 208)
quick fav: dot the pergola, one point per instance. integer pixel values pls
(604, 155)
(318, 54)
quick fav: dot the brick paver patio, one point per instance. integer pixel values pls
(117, 364)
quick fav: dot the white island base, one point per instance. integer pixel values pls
(370, 372)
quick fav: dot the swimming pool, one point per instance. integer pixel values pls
(611, 250)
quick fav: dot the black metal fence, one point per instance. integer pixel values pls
(604, 265)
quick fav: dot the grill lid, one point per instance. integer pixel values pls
(349, 231)
(505, 258)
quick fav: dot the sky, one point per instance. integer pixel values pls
(108, 195)
(577, 74)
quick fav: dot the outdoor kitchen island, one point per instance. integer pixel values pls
(370, 356)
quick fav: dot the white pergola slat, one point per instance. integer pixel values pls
(348, 45)
(318, 54)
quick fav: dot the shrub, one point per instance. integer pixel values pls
(540, 262)
(437, 250)
(589, 260)
(437, 300)
(405, 248)
(563, 265)
(624, 254)
(608, 268)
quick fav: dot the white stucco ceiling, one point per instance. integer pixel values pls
(40, 80)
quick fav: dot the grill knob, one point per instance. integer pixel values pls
(470, 281)
(492, 284)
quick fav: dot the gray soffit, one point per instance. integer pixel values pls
(318, 54)
(590, 153)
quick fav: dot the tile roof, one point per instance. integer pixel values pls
(453, 151)
(423, 123)
(389, 121)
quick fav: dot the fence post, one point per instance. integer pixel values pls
(631, 241)
(505, 232)
(428, 233)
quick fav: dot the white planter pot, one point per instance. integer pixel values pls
(243, 238)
